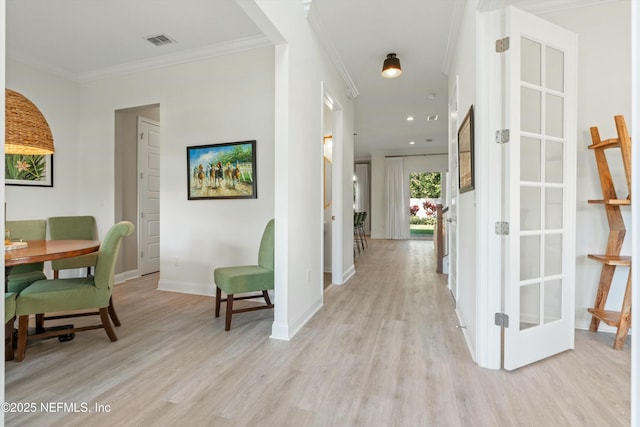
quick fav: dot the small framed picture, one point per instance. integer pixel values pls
(222, 171)
(26, 169)
(465, 153)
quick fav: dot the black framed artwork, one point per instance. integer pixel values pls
(222, 171)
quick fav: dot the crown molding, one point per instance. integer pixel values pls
(320, 31)
(454, 31)
(193, 55)
(41, 65)
(306, 5)
(538, 7)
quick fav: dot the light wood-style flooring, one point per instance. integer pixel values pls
(383, 351)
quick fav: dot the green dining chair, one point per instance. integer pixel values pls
(22, 276)
(73, 228)
(9, 319)
(247, 278)
(82, 227)
(70, 295)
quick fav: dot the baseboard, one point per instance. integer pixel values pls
(124, 276)
(348, 273)
(467, 338)
(287, 330)
(206, 289)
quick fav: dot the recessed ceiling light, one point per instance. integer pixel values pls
(411, 142)
(432, 117)
(409, 118)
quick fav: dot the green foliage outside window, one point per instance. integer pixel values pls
(425, 185)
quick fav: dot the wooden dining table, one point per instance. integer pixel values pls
(49, 250)
(40, 251)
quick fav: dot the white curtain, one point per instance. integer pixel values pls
(396, 199)
(361, 198)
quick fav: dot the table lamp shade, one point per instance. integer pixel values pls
(26, 129)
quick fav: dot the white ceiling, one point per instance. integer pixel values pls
(85, 39)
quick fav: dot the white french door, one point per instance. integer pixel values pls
(540, 181)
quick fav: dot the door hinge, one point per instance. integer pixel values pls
(502, 136)
(141, 254)
(502, 320)
(502, 228)
(502, 45)
(141, 135)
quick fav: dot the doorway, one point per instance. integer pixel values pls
(127, 181)
(333, 224)
(425, 193)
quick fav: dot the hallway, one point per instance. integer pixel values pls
(383, 351)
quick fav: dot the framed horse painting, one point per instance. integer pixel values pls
(222, 171)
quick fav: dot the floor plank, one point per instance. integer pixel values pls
(383, 351)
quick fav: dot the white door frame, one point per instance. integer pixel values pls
(488, 166)
(337, 178)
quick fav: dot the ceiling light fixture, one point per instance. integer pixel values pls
(412, 142)
(391, 67)
(410, 118)
(26, 129)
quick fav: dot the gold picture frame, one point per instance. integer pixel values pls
(466, 181)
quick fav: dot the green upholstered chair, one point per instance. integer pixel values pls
(22, 276)
(82, 227)
(247, 278)
(9, 318)
(68, 295)
(73, 228)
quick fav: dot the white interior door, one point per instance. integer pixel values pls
(540, 185)
(149, 196)
(452, 194)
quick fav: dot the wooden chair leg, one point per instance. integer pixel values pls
(39, 322)
(265, 294)
(106, 323)
(55, 274)
(227, 323)
(112, 313)
(218, 300)
(23, 329)
(8, 339)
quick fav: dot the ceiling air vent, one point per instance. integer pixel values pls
(432, 117)
(160, 39)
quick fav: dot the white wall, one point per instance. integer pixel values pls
(635, 126)
(463, 67)
(604, 82)
(57, 99)
(201, 103)
(302, 71)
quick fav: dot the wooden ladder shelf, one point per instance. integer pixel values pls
(612, 259)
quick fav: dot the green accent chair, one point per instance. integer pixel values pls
(68, 295)
(22, 276)
(247, 278)
(73, 228)
(81, 227)
(9, 319)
